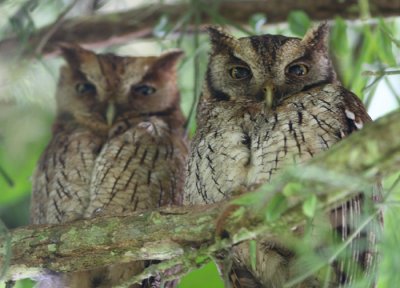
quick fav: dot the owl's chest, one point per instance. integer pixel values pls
(226, 138)
(293, 135)
(245, 145)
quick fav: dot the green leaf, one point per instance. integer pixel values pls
(342, 50)
(25, 283)
(389, 34)
(339, 41)
(252, 198)
(299, 22)
(196, 278)
(292, 189)
(238, 213)
(385, 49)
(309, 206)
(366, 54)
(276, 206)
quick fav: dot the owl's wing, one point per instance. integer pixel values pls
(138, 169)
(62, 177)
(220, 155)
(354, 114)
(347, 218)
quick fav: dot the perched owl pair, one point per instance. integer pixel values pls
(119, 143)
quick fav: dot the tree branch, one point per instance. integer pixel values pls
(122, 27)
(174, 233)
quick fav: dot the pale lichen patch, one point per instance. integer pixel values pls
(52, 248)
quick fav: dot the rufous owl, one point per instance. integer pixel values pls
(118, 146)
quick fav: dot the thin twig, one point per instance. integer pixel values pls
(391, 189)
(371, 93)
(55, 26)
(374, 82)
(393, 90)
(6, 177)
(390, 36)
(380, 73)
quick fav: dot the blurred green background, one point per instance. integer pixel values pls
(27, 105)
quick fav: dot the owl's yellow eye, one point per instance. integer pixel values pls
(239, 73)
(85, 88)
(298, 69)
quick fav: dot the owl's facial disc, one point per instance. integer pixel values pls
(267, 68)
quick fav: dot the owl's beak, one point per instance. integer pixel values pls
(110, 113)
(269, 95)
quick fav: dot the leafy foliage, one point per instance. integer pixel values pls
(299, 22)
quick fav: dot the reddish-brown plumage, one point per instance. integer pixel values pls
(118, 146)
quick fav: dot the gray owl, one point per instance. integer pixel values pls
(269, 102)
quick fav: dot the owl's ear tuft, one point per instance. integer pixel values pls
(166, 63)
(169, 59)
(317, 37)
(74, 54)
(220, 39)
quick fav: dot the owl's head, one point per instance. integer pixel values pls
(267, 68)
(98, 89)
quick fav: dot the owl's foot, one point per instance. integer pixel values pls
(153, 127)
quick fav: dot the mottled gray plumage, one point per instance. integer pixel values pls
(269, 102)
(118, 146)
